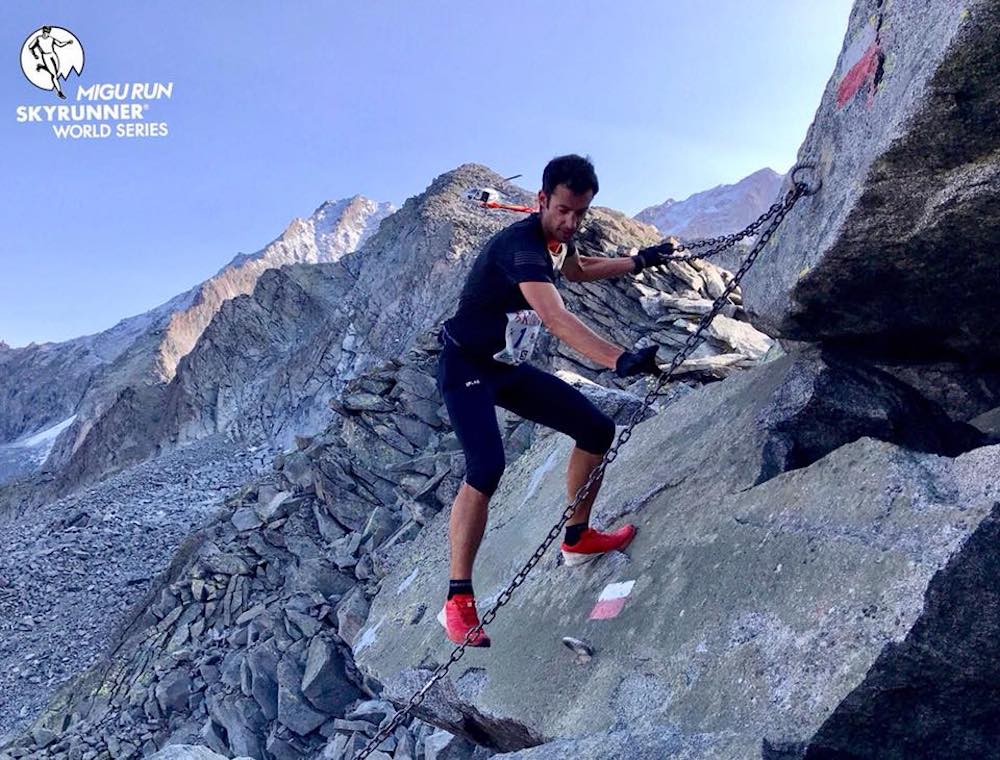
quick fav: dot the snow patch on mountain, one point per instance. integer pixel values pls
(42, 441)
(27, 454)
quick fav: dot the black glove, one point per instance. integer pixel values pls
(654, 256)
(637, 362)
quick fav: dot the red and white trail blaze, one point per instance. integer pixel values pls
(859, 65)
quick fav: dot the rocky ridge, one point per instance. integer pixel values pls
(85, 386)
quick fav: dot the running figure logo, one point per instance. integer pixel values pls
(50, 54)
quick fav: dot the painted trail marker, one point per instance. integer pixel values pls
(612, 600)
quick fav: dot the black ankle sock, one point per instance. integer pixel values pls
(573, 533)
(460, 587)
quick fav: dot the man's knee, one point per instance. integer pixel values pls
(484, 474)
(599, 436)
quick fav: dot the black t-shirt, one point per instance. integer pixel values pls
(516, 254)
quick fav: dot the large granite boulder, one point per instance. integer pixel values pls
(898, 251)
(747, 613)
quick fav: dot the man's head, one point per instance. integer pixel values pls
(569, 184)
(46, 29)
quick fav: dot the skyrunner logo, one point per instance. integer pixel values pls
(49, 56)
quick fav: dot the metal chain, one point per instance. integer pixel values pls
(721, 243)
(777, 212)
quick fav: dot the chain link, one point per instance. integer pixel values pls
(717, 245)
(776, 213)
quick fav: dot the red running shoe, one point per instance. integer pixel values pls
(459, 615)
(594, 543)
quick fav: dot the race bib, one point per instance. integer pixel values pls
(522, 332)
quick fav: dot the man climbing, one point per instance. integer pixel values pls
(510, 292)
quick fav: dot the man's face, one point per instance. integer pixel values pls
(562, 212)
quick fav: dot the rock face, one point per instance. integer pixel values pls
(42, 387)
(897, 253)
(963, 389)
(757, 598)
(956, 709)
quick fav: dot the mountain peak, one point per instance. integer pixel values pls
(330, 212)
(334, 228)
(767, 171)
(722, 210)
(451, 187)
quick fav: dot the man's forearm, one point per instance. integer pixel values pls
(599, 268)
(570, 330)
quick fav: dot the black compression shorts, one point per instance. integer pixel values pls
(473, 387)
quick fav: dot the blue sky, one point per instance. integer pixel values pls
(277, 107)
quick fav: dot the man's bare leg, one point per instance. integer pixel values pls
(581, 464)
(466, 528)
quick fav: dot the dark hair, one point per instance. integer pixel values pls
(574, 171)
(46, 28)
